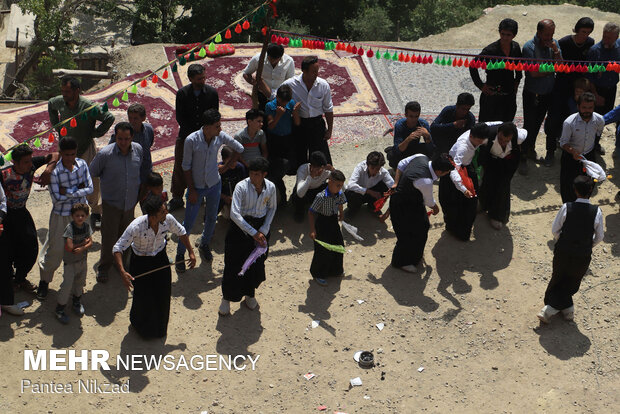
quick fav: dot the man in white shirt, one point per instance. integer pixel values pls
(253, 207)
(578, 139)
(315, 97)
(367, 183)
(457, 197)
(311, 179)
(499, 158)
(278, 67)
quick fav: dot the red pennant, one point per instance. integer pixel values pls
(407, 58)
(430, 58)
(483, 65)
(73, 123)
(246, 25)
(360, 51)
(536, 67)
(228, 35)
(63, 132)
(454, 63)
(274, 38)
(143, 83)
(165, 74)
(286, 41)
(349, 48)
(370, 53)
(519, 66)
(238, 28)
(354, 50)
(420, 59)
(154, 80)
(264, 30)
(50, 138)
(322, 45)
(466, 63)
(425, 60)
(459, 62)
(401, 57)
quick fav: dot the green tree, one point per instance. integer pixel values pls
(371, 23)
(436, 16)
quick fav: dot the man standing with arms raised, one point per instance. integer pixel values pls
(315, 97)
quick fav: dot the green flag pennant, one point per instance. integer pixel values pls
(331, 247)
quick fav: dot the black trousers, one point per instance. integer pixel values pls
(310, 137)
(356, 200)
(300, 203)
(495, 188)
(280, 156)
(569, 170)
(326, 263)
(411, 226)
(535, 107)
(558, 110)
(459, 212)
(497, 108)
(19, 245)
(568, 271)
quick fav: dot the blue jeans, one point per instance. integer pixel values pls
(212, 197)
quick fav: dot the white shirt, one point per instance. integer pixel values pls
(556, 228)
(3, 208)
(462, 152)
(580, 135)
(285, 69)
(247, 202)
(314, 102)
(305, 181)
(424, 185)
(360, 181)
(496, 149)
(142, 238)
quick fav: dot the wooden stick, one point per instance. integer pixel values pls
(160, 268)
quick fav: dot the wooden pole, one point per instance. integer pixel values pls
(16, 49)
(259, 73)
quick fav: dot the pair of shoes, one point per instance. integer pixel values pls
(102, 277)
(600, 149)
(549, 158)
(224, 309)
(409, 268)
(497, 225)
(546, 313)
(320, 282)
(569, 313)
(13, 310)
(523, 169)
(206, 252)
(175, 204)
(62, 316)
(77, 306)
(180, 267)
(251, 303)
(42, 290)
(26, 286)
(95, 221)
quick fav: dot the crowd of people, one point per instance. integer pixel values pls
(288, 134)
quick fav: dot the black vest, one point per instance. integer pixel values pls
(578, 229)
(485, 150)
(417, 168)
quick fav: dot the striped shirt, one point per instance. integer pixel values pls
(77, 184)
(142, 238)
(247, 202)
(327, 204)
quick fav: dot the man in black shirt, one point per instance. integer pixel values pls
(574, 49)
(498, 100)
(192, 101)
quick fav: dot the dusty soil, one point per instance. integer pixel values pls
(460, 336)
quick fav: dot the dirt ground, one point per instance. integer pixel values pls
(460, 336)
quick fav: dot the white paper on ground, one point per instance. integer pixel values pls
(420, 369)
(356, 382)
(356, 356)
(352, 230)
(315, 324)
(360, 301)
(380, 326)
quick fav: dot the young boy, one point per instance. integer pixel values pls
(70, 183)
(311, 179)
(252, 137)
(230, 179)
(367, 183)
(577, 227)
(78, 240)
(252, 210)
(19, 242)
(282, 113)
(154, 186)
(324, 216)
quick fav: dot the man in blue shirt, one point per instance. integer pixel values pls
(451, 122)
(408, 135)
(537, 92)
(202, 176)
(605, 51)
